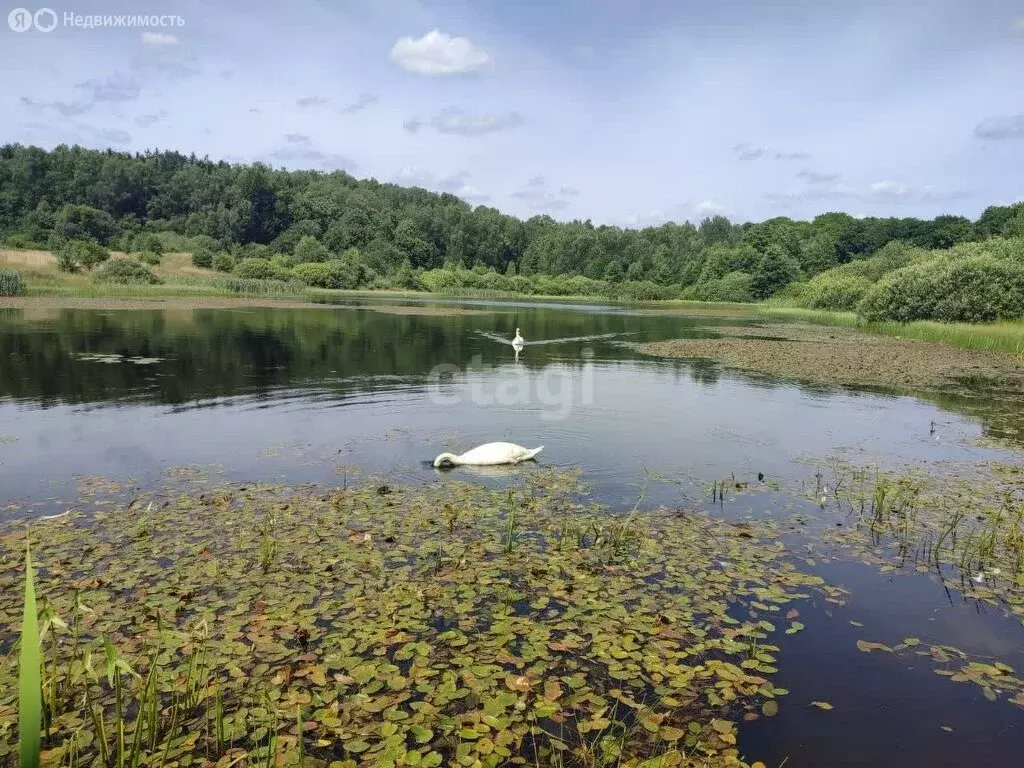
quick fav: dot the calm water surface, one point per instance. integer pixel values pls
(310, 395)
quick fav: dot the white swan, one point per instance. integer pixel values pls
(518, 341)
(488, 454)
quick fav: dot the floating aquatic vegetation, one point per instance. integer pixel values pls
(962, 524)
(415, 626)
(100, 357)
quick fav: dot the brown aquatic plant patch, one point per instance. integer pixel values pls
(836, 356)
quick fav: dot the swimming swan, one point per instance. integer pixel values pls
(488, 454)
(518, 340)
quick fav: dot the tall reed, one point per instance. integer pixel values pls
(30, 684)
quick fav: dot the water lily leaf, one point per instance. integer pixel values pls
(867, 647)
(821, 705)
(318, 675)
(722, 726)
(770, 708)
(552, 690)
(518, 683)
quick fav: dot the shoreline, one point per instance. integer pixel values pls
(845, 356)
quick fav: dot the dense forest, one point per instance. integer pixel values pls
(333, 230)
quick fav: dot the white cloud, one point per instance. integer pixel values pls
(116, 88)
(456, 183)
(880, 192)
(747, 152)
(1018, 24)
(791, 155)
(683, 212)
(1001, 128)
(362, 102)
(709, 208)
(147, 120)
(540, 198)
(455, 121)
(815, 177)
(437, 53)
(159, 38)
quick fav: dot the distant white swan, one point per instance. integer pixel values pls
(488, 454)
(518, 341)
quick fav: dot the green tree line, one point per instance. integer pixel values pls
(333, 230)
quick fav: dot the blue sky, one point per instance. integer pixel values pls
(626, 113)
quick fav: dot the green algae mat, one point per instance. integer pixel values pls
(447, 624)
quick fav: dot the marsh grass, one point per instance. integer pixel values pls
(1005, 336)
(968, 518)
(180, 287)
(30, 706)
(963, 524)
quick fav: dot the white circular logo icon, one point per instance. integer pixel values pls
(20, 20)
(45, 20)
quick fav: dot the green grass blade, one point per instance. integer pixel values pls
(30, 686)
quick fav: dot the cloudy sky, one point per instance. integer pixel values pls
(627, 112)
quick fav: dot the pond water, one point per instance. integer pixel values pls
(312, 395)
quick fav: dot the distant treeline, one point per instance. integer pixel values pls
(333, 230)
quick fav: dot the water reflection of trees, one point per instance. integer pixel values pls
(262, 353)
(209, 353)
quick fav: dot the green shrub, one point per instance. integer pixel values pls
(578, 285)
(251, 251)
(126, 272)
(1011, 248)
(835, 291)
(520, 284)
(794, 293)
(202, 241)
(975, 289)
(147, 242)
(23, 242)
(309, 249)
(11, 283)
(408, 279)
(223, 262)
(442, 280)
(202, 257)
(259, 269)
(148, 257)
(74, 254)
(317, 274)
(66, 261)
(736, 286)
(644, 290)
